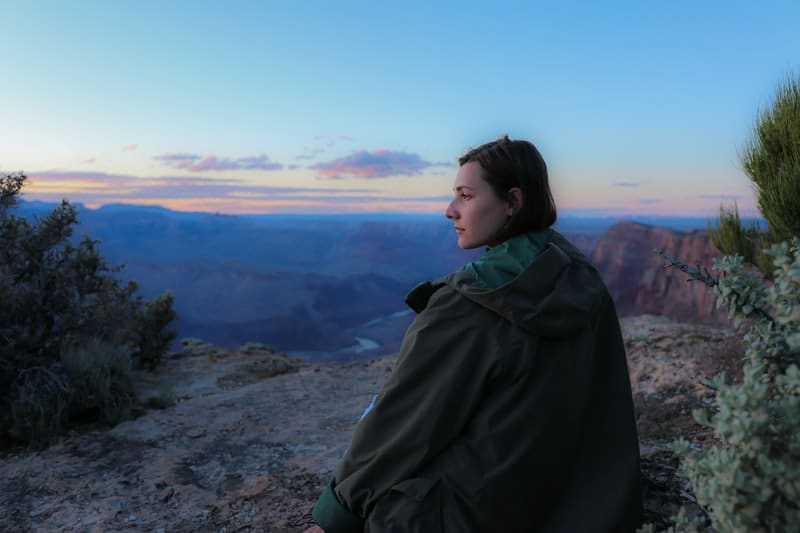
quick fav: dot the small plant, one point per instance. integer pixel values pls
(38, 410)
(152, 335)
(100, 380)
(731, 236)
(750, 481)
(164, 398)
(250, 347)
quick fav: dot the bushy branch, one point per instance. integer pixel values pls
(10, 187)
(771, 161)
(730, 237)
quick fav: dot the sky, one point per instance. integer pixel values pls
(639, 108)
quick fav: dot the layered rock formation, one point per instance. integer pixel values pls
(639, 283)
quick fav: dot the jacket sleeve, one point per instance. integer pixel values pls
(442, 368)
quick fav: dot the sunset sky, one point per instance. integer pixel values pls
(336, 107)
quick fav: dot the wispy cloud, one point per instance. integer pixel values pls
(129, 147)
(198, 163)
(88, 161)
(626, 184)
(650, 201)
(380, 163)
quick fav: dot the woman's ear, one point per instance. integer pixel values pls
(514, 201)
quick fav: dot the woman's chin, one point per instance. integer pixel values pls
(466, 245)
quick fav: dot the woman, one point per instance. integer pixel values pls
(510, 406)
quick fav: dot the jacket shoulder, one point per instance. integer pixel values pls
(425, 294)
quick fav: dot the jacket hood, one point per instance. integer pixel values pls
(553, 296)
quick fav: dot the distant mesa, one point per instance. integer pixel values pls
(638, 281)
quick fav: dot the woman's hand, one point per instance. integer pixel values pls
(314, 529)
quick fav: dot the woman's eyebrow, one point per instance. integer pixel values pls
(456, 189)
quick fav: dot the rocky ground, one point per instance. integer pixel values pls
(254, 436)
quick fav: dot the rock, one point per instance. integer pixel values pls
(638, 282)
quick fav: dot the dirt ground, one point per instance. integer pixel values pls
(668, 364)
(254, 437)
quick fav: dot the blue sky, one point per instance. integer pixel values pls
(259, 107)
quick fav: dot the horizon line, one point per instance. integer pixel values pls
(573, 213)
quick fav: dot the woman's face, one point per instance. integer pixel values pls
(476, 211)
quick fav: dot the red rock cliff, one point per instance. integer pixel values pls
(638, 282)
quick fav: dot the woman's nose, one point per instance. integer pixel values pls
(450, 212)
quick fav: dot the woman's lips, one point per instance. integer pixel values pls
(459, 230)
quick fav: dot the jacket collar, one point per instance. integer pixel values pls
(504, 262)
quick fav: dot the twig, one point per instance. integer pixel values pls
(695, 273)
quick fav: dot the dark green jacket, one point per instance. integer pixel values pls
(509, 410)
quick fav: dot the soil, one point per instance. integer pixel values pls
(254, 436)
(670, 364)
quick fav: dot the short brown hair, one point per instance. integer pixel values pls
(507, 164)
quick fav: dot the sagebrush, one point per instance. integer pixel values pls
(750, 480)
(70, 327)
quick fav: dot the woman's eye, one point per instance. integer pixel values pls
(465, 196)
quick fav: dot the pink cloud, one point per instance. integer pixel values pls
(380, 163)
(130, 147)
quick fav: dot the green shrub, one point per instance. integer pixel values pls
(38, 406)
(165, 397)
(771, 160)
(101, 383)
(750, 480)
(58, 296)
(151, 332)
(731, 237)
